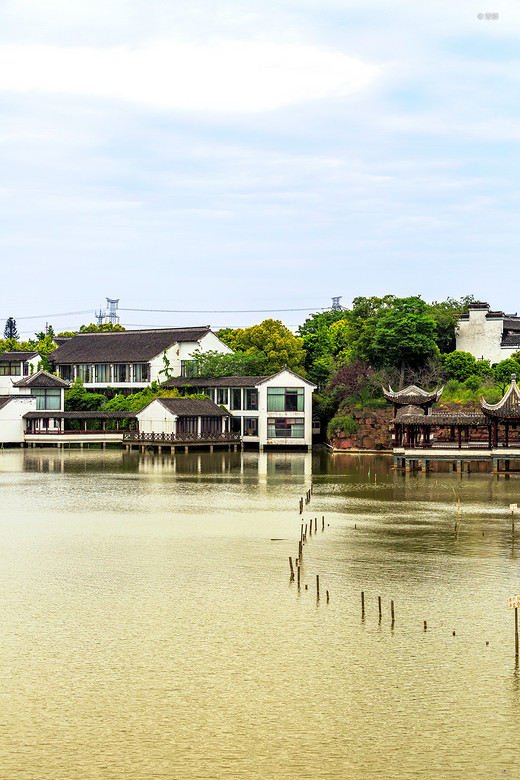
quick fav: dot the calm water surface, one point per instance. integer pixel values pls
(150, 629)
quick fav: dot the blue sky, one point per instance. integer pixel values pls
(208, 155)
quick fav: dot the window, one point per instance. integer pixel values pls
(236, 426)
(67, 373)
(285, 399)
(209, 391)
(236, 398)
(121, 372)
(188, 368)
(250, 426)
(285, 428)
(102, 372)
(26, 369)
(251, 400)
(222, 395)
(83, 372)
(10, 369)
(141, 372)
(47, 398)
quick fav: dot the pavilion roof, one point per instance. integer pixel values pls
(508, 407)
(412, 395)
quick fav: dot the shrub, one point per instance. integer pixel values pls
(346, 424)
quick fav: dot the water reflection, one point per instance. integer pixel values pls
(150, 628)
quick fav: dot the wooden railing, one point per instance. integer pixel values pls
(172, 438)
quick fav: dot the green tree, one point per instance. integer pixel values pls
(77, 399)
(10, 330)
(503, 371)
(280, 346)
(404, 334)
(446, 313)
(105, 327)
(460, 365)
(214, 363)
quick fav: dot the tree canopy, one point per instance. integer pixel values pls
(272, 338)
(10, 330)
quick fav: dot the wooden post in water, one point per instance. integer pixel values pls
(323, 523)
(362, 603)
(379, 606)
(292, 570)
(315, 525)
(514, 601)
(299, 570)
(327, 597)
(425, 626)
(300, 550)
(392, 611)
(317, 586)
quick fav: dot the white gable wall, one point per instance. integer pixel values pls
(12, 424)
(482, 337)
(155, 418)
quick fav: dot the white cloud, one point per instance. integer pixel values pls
(226, 76)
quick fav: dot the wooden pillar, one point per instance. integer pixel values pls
(507, 434)
(459, 436)
(495, 433)
(490, 436)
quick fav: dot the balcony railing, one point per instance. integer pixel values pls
(172, 438)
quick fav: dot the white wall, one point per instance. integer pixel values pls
(285, 379)
(12, 424)
(481, 337)
(155, 418)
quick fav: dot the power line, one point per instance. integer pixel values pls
(225, 311)
(62, 314)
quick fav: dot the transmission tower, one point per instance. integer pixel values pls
(110, 313)
(336, 306)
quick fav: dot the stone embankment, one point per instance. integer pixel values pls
(374, 431)
(375, 427)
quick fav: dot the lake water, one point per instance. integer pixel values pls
(149, 627)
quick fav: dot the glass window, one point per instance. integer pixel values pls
(209, 391)
(102, 372)
(285, 428)
(47, 398)
(26, 369)
(236, 426)
(250, 426)
(10, 369)
(121, 372)
(285, 399)
(141, 372)
(66, 373)
(83, 372)
(236, 398)
(251, 400)
(188, 368)
(222, 395)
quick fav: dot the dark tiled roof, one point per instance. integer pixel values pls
(215, 381)
(193, 407)
(511, 340)
(508, 407)
(478, 305)
(127, 346)
(99, 415)
(411, 395)
(495, 314)
(12, 356)
(41, 379)
(511, 323)
(444, 418)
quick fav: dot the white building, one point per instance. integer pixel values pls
(14, 366)
(488, 335)
(183, 416)
(269, 411)
(33, 403)
(130, 360)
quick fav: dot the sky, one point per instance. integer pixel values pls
(220, 162)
